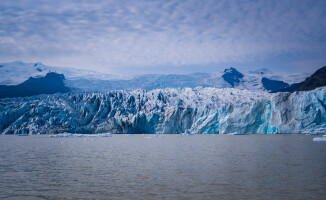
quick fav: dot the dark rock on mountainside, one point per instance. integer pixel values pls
(50, 84)
(232, 76)
(318, 79)
(274, 85)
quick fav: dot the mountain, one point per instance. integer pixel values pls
(274, 86)
(50, 84)
(232, 76)
(199, 110)
(318, 79)
(15, 73)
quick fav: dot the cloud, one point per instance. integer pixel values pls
(144, 34)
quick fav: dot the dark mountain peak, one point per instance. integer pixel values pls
(49, 77)
(50, 84)
(53, 75)
(232, 76)
(274, 85)
(231, 70)
(318, 79)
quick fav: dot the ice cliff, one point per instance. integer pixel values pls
(199, 110)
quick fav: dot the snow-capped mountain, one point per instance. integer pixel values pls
(14, 73)
(51, 83)
(81, 80)
(232, 76)
(199, 110)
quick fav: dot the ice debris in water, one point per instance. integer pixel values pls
(235, 133)
(320, 139)
(65, 135)
(186, 134)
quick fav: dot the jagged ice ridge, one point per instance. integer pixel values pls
(198, 110)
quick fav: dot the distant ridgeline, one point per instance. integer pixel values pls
(318, 79)
(42, 81)
(50, 84)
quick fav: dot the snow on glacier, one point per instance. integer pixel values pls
(189, 111)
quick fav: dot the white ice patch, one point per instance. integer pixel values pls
(319, 139)
(66, 135)
(236, 133)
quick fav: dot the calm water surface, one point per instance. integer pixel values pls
(165, 167)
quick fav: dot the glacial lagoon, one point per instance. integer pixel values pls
(163, 167)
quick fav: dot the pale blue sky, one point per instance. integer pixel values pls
(142, 36)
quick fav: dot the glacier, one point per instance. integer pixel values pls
(185, 111)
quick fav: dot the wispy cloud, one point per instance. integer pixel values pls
(119, 35)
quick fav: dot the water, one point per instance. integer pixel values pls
(166, 167)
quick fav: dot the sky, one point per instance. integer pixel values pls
(167, 36)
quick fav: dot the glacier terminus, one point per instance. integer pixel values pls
(188, 110)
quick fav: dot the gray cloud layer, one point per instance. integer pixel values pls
(120, 35)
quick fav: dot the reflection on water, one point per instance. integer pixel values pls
(169, 166)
